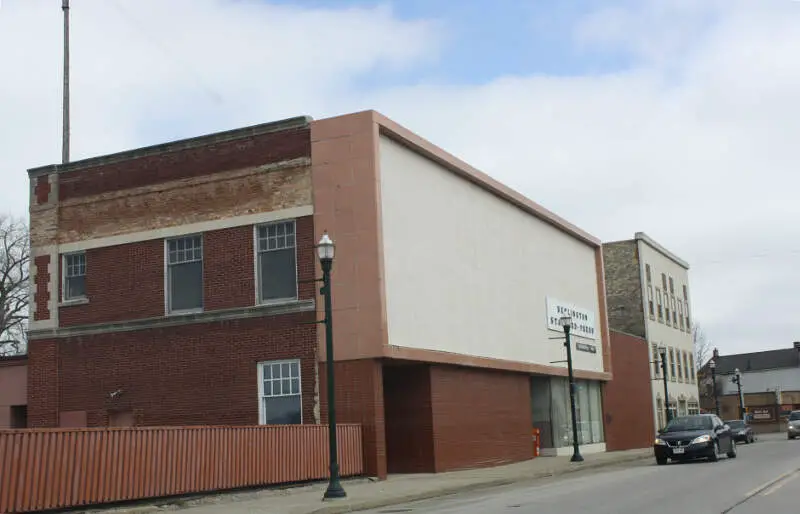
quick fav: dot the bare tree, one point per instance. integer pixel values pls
(702, 346)
(14, 285)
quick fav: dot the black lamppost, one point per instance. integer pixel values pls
(325, 250)
(662, 350)
(566, 322)
(713, 366)
(737, 379)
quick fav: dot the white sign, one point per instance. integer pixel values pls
(583, 321)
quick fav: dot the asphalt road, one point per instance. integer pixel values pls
(765, 477)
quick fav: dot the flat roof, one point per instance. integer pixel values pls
(649, 241)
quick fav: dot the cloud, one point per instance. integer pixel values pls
(693, 142)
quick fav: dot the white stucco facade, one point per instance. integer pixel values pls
(467, 272)
(666, 293)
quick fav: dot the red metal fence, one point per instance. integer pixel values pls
(56, 468)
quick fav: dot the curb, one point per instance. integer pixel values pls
(340, 508)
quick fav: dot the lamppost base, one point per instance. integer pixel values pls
(576, 457)
(334, 492)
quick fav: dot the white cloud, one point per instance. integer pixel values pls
(693, 144)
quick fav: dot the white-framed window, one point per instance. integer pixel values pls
(184, 276)
(650, 307)
(681, 319)
(660, 412)
(280, 400)
(694, 408)
(672, 364)
(687, 374)
(674, 313)
(660, 305)
(656, 361)
(276, 261)
(74, 285)
(680, 366)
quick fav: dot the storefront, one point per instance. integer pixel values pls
(551, 414)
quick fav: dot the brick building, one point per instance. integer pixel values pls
(13, 392)
(647, 289)
(174, 285)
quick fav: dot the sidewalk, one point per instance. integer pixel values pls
(364, 494)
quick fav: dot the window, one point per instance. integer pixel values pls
(648, 275)
(588, 411)
(674, 313)
(666, 308)
(686, 306)
(185, 274)
(660, 306)
(680, 365)
(656, 361)
(660, 412)
(650, 307)
(672, 363)
(673, 410)
(671, 287)
(74, 287)
(277, 262)
(691, 367)
(279, 393)
(694, 409)
(686, 374)
(680, 314)
(664, 283)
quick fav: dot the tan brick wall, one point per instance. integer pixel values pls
(179, 202)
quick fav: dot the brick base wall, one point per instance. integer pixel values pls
(359, 399)
(409, 419)
(188, 375)
(480, 417)
(627, 399)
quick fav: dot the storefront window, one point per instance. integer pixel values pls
(588, 407)
(540, 409)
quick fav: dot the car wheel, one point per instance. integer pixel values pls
(791, 437)
(732, 453)
(714, 457)
(661, 462)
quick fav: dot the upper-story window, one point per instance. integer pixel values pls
(686, 306)
(277, 261)
(74, 287)
(650, 307)
(680, 365)
(279, 391)
(691, 366)
(660, 305)
(185, 274)
(667, 309)
(648, 274)
(656, 361)
(687, 375)
(664, 282)
(674, 312)
(672, 363)
(671, 286)
(680, 314)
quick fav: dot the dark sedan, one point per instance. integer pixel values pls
(742, 432)
(702, 436)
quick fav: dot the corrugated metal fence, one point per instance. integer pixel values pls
(56, 468)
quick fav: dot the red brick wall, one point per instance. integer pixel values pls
(409, 419)
(359, 399)
(180, 164)
(186, 375)
(126, 282)
(42, 294)
(43, 383)
(480, 417)
(627, 398)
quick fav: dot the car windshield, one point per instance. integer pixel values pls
(736, 423)
(794, 416)
(687, 423)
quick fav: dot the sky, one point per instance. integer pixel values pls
(678, 118)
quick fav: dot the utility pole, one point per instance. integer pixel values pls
(65, 105)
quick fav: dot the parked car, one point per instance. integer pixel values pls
(742, 432)
(700, 436)
(794, 424)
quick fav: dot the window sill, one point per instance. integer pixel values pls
(73, 302)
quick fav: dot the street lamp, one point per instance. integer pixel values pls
(566, 322)
(713, 365)
(662, 350)
(737, 379)
(325, 251)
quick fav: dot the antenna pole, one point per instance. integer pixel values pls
(65, 108)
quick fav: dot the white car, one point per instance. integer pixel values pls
(793, 423)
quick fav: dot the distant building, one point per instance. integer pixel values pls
(647, 289)
(770, 385)
(175, 285)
